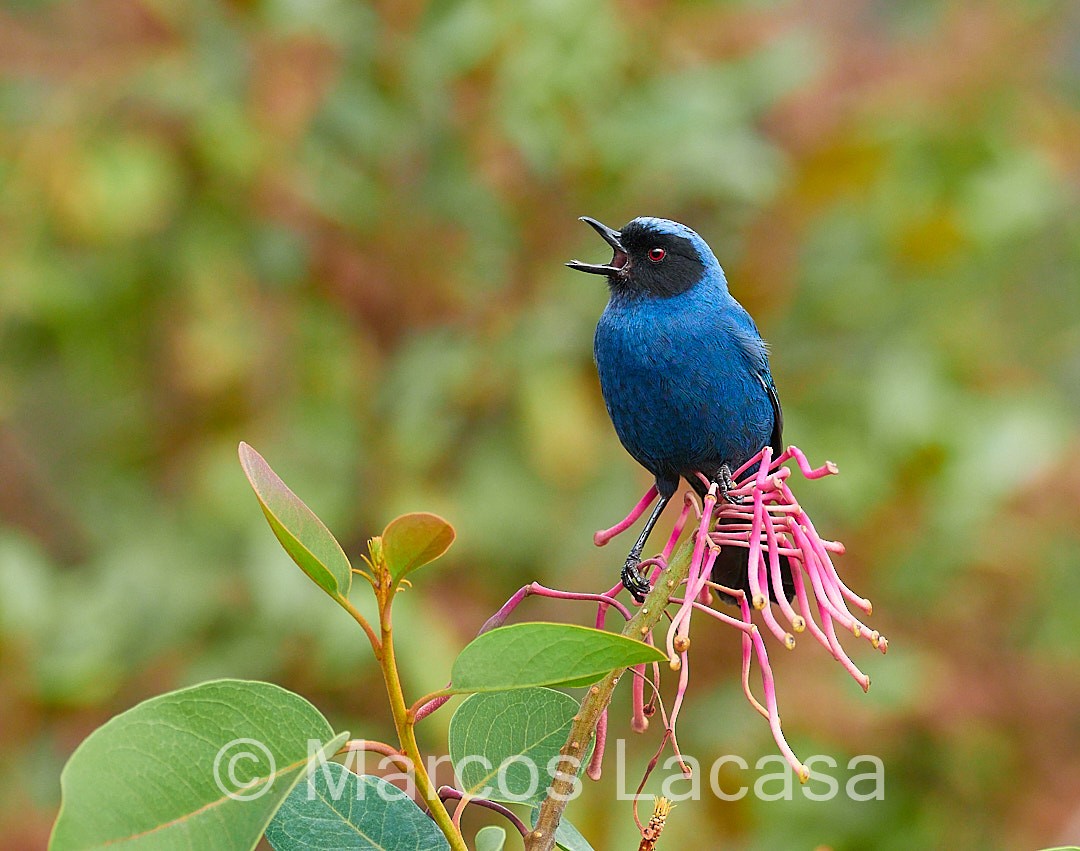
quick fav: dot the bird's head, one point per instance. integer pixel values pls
(655, 257)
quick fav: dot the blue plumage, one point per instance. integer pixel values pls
(683, 369)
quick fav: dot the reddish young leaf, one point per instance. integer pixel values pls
(413, 540)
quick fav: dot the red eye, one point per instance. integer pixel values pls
(657, 254)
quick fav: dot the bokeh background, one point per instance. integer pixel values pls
(336, 230)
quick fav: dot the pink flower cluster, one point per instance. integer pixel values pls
(762, 516)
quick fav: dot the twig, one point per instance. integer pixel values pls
(450, 793)
(542, 837)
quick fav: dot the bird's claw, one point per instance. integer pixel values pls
(633, 581)
(727, 484)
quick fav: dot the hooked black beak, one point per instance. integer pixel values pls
(611, 237)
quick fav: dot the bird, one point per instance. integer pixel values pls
(683, 371)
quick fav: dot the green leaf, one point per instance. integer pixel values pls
(490, 838)
(413, 540)
(582, 682)
(203, 767)
(504, 745)
(544, 654)
(337, 809)
(303, 535)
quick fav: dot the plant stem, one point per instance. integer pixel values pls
(596, 700)
(442, 694)
(388, 751)
(450, 793)
(346, 604)
(404, 723)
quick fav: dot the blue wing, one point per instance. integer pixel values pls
(776, 440)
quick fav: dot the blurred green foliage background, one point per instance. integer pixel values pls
(335, 229)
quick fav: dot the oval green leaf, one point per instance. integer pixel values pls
(203, 767)
(303, 535)
(544, 654)
(490, 838)
(337, 809)
(413, 540)
(505, 744)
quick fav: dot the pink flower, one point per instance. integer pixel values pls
(767, 521)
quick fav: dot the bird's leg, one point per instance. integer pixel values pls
(632, 581)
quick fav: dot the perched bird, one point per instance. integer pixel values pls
(683, 369)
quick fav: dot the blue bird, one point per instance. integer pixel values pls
(683, 370)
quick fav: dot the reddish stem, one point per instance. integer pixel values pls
(603, 599)
(677, 529)
(604, 535)
(449, 793)
(595, 767)
(639, 723)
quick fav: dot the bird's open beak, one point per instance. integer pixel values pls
(611, 237)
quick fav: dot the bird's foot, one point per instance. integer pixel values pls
(633, 581)
(727, 484)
